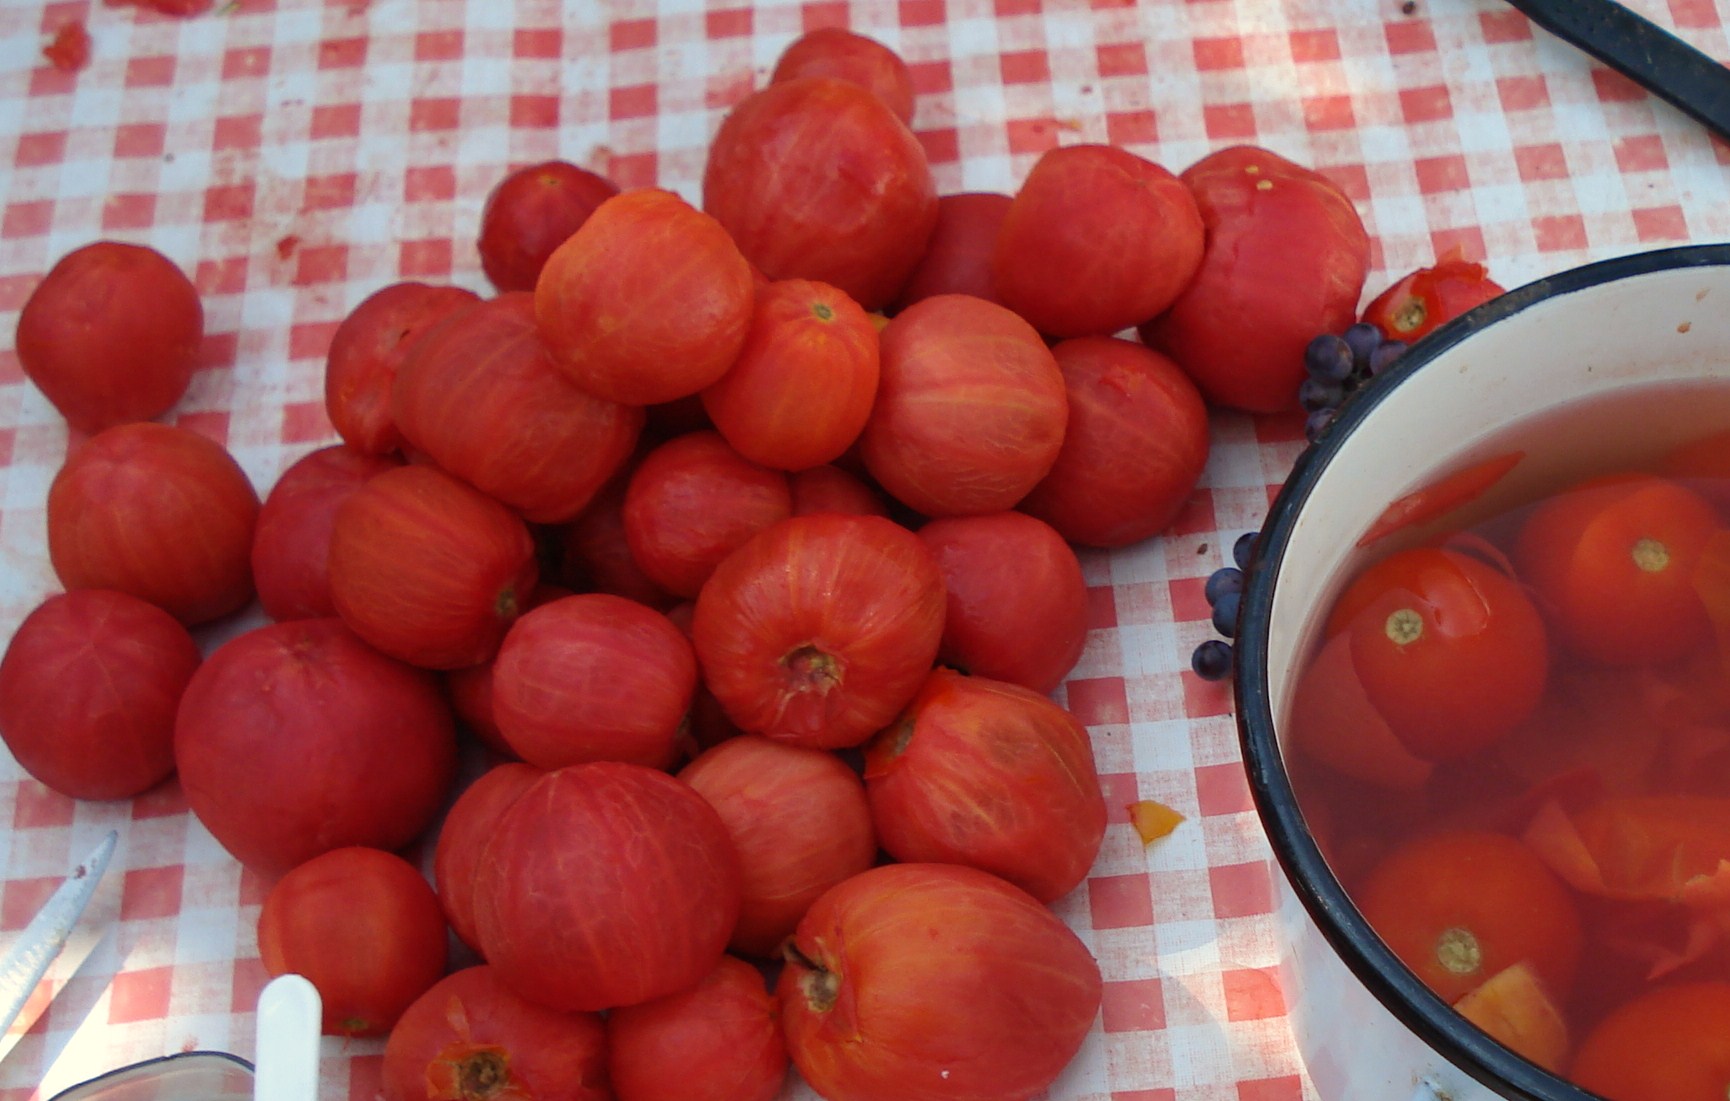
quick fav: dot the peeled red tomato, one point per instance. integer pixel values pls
(1097, 240)
(297, 738)
(604, 885)
(821, 628)
(970, 408)
(649, 301)
(159, 512)
(934, 982)
(816, 178)
(482, 398)
(991, 775)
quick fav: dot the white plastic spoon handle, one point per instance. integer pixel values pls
(289, 1016)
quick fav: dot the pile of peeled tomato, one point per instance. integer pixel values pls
(739, 539)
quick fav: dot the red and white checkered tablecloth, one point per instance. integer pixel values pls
(295, 155)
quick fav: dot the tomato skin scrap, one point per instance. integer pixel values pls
(1153, 820)
(1515, 1009)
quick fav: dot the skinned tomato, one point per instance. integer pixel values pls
(1016, 606)
(800, 822)
(427, 569)
(625, 322)
(934, 982)
(1240, 327)
(364, 927)
(691, 502)
(1450, 652)
(366, 350)
(1134, 445)
(991, 775)
(821, 628)
(1460, 907)
(957, 259)
(1334, 722)
(829, 488)
(469, 1038)
(839, 53)
(1096, 240)
(605, 885)
(593, 677)
(1514, 1007)
(594, 556)
(970, 408)
(463, 837)
(1420, 302)
(111, 334)
(159, 512)
(801, 389)
(816, 178)
(1611, 562)
(718, 1041)
(470, 688)
(297, 738)
(480, 396)
(89, 687)
(291, 542)
(1669, 1044)
(530, 213)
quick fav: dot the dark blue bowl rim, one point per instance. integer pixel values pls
(1407, 998)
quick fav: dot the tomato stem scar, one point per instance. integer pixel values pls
(1458, 952)
(482, 1073)
(823, 312)
(811, 669)
(1651, 555)
(1405, 626)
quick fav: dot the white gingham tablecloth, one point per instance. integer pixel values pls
(296, 155)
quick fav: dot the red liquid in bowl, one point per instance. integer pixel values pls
(1512, 743)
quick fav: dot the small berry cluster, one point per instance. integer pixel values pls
(1336, 366)
(1213, 660)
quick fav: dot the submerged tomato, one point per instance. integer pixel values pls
(1460, 907)
(1428, 297)
(1450, 651)
(1612, 564)
(1671, 1044)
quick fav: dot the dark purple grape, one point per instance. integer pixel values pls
(1363, 339)
(1384, 355)
(1225, 611)
(1318, 423)
(1212, 660)
(1226, 579)
(1328, 358)
(1315, 394)
(1244, 549)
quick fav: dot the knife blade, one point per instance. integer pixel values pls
(41, 941)
(1642, 51)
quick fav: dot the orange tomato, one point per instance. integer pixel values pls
(1671, 1044)
(1460, 907)
(1450, 651)
(1611, 562)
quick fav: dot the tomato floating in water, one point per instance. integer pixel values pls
(1672, 1044)
(1459, 907)
(1612, 561)
(1450, 651)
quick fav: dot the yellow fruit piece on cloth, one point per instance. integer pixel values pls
(1153, 820)
(1513, 1007)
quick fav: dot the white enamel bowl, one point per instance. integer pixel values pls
(1365, 1026)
